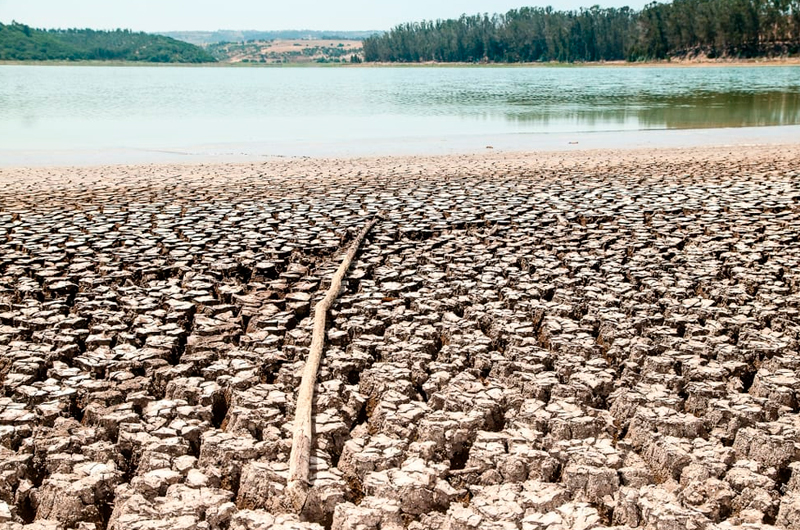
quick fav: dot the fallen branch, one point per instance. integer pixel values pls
(466, 471)
(299, 459)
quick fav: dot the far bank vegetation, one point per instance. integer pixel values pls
(19, 42)
(683, 29)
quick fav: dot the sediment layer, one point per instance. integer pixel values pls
(524, 342)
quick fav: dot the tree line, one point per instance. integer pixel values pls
(715, 28)
(19, 42)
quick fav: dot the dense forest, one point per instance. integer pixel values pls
(19, 42)
(683, 28)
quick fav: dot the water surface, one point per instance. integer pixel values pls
(47, 109)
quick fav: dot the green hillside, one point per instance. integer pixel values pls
(19, 42)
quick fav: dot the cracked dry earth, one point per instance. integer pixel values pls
(524, 342)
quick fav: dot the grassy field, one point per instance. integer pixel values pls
(290, 51)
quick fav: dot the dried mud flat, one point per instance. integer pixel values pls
(525, 342)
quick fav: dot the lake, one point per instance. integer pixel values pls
(110, 114)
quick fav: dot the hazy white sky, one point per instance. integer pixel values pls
(165, 15)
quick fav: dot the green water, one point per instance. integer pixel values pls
(62, 108)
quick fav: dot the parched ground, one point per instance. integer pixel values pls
(525, 342)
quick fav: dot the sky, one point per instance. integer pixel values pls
(209, 15)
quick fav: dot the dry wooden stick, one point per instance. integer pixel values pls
(300, 457)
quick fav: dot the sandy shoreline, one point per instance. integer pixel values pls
(526, 341)
(487, 160)
(464, 145)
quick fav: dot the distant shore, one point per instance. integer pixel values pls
(762, 61)
(775, 61)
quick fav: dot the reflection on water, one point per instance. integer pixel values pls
(735, 109)
(98, 107)
(694, 111)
